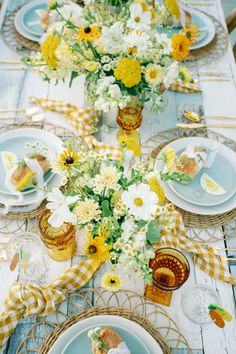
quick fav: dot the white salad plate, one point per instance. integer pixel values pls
(173, 197)
(75, 340)
(13, 141)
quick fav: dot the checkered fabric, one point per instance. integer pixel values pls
(31, 300)
(84, 120)
(174, 235)
(179, 86)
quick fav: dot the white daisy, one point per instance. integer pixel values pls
(138, 42)
(141, 201)
(139, 19)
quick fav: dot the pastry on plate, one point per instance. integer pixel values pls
(107, 340)
(185, 167)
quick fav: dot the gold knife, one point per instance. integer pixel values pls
(200, 125)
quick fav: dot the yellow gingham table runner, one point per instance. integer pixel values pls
(84, 120)
(174, 235)
(32, 299)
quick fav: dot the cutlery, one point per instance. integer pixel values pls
(197, 126)
(209, 73)
(10, 61)
(28, 111)
(12, 68)
(14, 262)
(194, 117)
(34, 118)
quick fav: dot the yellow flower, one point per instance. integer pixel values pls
(48, 50)
(53, 4)
(128, 71)
(154, 74)
(104, 230)
(90, 65)
(184, 74)
(192, 33)
(107, 179)
(130, 140)
(88, 34)
(87, 211)
(96, 250)
(156, 188)
(181, 47)
(143, 4)
(26, 182)
(173, 8)
(111, 282)
(68, 158)
(169, 156)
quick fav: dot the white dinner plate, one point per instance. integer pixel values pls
(137, 338)
(210, 29)
(183, 204)
(20, 28)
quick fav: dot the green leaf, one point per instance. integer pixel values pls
(73, 75)
(141, 223)
(153, 233)
(106, 211)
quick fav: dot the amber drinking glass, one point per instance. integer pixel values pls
(130, 117)
(60, 241)
(170, 270)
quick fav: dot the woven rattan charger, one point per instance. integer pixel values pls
(191, 219)
(93, 302)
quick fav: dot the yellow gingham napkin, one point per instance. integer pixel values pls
(179, 86)
(84, 120)
(174, 235)
(31, 300)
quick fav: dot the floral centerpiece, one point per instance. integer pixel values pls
(121, 212)
(119, 61)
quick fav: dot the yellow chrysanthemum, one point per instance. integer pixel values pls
(111, 282)
(181, 47)
(68, 158)
(96, 250)
(173, 8)
(88, 34)
(184, 74)
(26, 182)
(156, 188)
(170, 156)
(128, 71)
(48, 50)
(192, 33)
(154, 74)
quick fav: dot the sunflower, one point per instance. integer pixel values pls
(68, 158)
(181, 47)
(48, 50)
(173, 8)
(88, 34)
(128, 71)
(96, 250)
(111, 282)
(192, 33)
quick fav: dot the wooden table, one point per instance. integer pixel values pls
(218, 98)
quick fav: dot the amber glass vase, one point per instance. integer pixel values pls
(60, 241)
(170, 270)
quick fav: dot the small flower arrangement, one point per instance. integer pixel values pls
(120, 61)
(121, 213)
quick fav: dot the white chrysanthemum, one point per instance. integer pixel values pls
(107, 179)
(139, 19)
(87, 211)
(154, 74)
(141, 201)
(112, 39)
(138, 42)
(172, 74)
